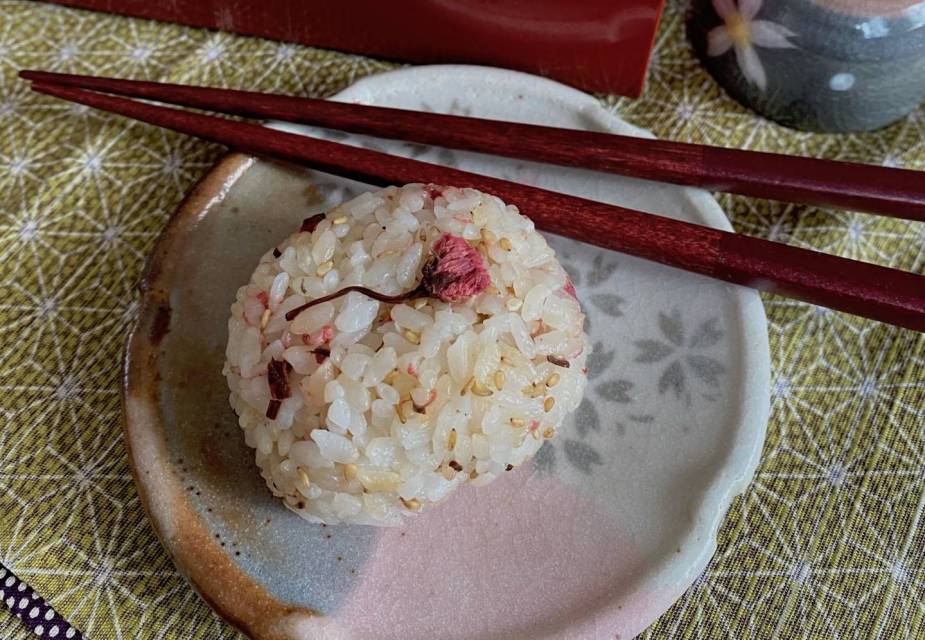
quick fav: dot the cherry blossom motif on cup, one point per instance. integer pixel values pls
(742, 33)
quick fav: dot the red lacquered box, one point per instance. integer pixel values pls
(598, 45)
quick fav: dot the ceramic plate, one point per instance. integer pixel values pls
(594, 539)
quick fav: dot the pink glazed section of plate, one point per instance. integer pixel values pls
(538, 546)
(596, 538)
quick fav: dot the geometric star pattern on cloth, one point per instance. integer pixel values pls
(829, 540)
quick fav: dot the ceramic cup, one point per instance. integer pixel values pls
(819, 65)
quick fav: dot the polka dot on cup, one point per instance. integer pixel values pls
(841, 81)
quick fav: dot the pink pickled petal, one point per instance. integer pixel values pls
(460, 269)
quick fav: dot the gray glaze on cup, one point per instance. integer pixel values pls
(819, 65)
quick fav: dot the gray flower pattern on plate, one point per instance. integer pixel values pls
(683, 356)
(598, 293)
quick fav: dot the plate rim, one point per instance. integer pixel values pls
(143, 430)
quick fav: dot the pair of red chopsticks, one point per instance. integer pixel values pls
(880, 293)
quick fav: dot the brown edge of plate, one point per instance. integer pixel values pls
(181, 530)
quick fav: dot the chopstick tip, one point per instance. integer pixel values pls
(39, 75)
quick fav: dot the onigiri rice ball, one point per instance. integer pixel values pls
(403, 343)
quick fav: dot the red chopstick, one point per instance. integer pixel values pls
(889, 191)
(880, 293)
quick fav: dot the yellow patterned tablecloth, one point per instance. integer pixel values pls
(828, 542)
